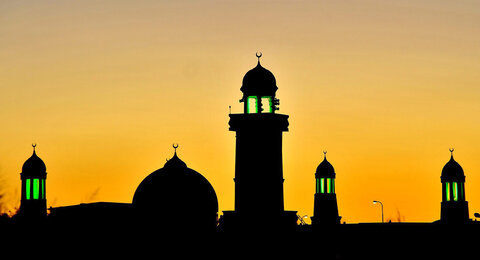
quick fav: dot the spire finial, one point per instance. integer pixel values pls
(34, 145)
(325, 154)
(259, 55)
(451, 151)
(175, 146)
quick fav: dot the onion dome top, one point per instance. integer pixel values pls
(34, 165)
(259, 81)
(325, 169)
(452, 171)
(175, 189)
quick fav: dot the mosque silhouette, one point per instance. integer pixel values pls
(176, 198)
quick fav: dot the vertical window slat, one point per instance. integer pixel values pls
(455, 191)
(43, 189)
(267, 105)
(27, 189)
(322, 185)
(252, 105)
(447, 191)
(36, 186)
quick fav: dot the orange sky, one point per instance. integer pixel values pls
(104, 89)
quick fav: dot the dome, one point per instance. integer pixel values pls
(176, 192)
(34, 165)
(452, 171)
(259, 82)
(325, 169)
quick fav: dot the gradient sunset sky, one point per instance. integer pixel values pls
(106, 87)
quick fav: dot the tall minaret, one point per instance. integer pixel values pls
(454, 207)
(325, 211)
(258, 158)
(33, 201)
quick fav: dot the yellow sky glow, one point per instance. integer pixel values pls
(106, 88)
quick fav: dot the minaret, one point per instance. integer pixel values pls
(258, 158)
(325, 211)
(33, 201)
(454, 207)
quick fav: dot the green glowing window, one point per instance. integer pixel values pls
(36, 185)
(317, 190)
(43, 189)
(447, 191)
(329, 186)
(455, 191)
(252, 105)
(332, 185)
(267, 105)
(322, 185)
(27, 189)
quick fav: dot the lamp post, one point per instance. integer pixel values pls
(381, 204)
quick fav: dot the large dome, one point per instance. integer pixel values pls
(259, 82)
(176, 193)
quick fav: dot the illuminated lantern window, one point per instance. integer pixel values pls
(252, 105)
(27, 189)
(322, 185)
(43, 188)
(447, 191)
(455, 191)
(329, 186)
(267, 105)
(36, 186)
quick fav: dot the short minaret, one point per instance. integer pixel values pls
(33, 201)
(454, 207)
(325, 211)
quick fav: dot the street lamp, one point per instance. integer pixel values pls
(381, 204)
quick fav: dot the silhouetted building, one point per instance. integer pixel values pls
(454, 207)
(258, 158)
(95, 215)
(325, 211)
(33, 202)
(176, 197)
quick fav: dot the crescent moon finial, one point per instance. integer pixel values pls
(451, 150)
(259, 55)
(34, 145)
(325, 154)
(175, 146)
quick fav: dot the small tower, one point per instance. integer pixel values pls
(33, 201)
(258, 157)
(454, 207)
(325, 211)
